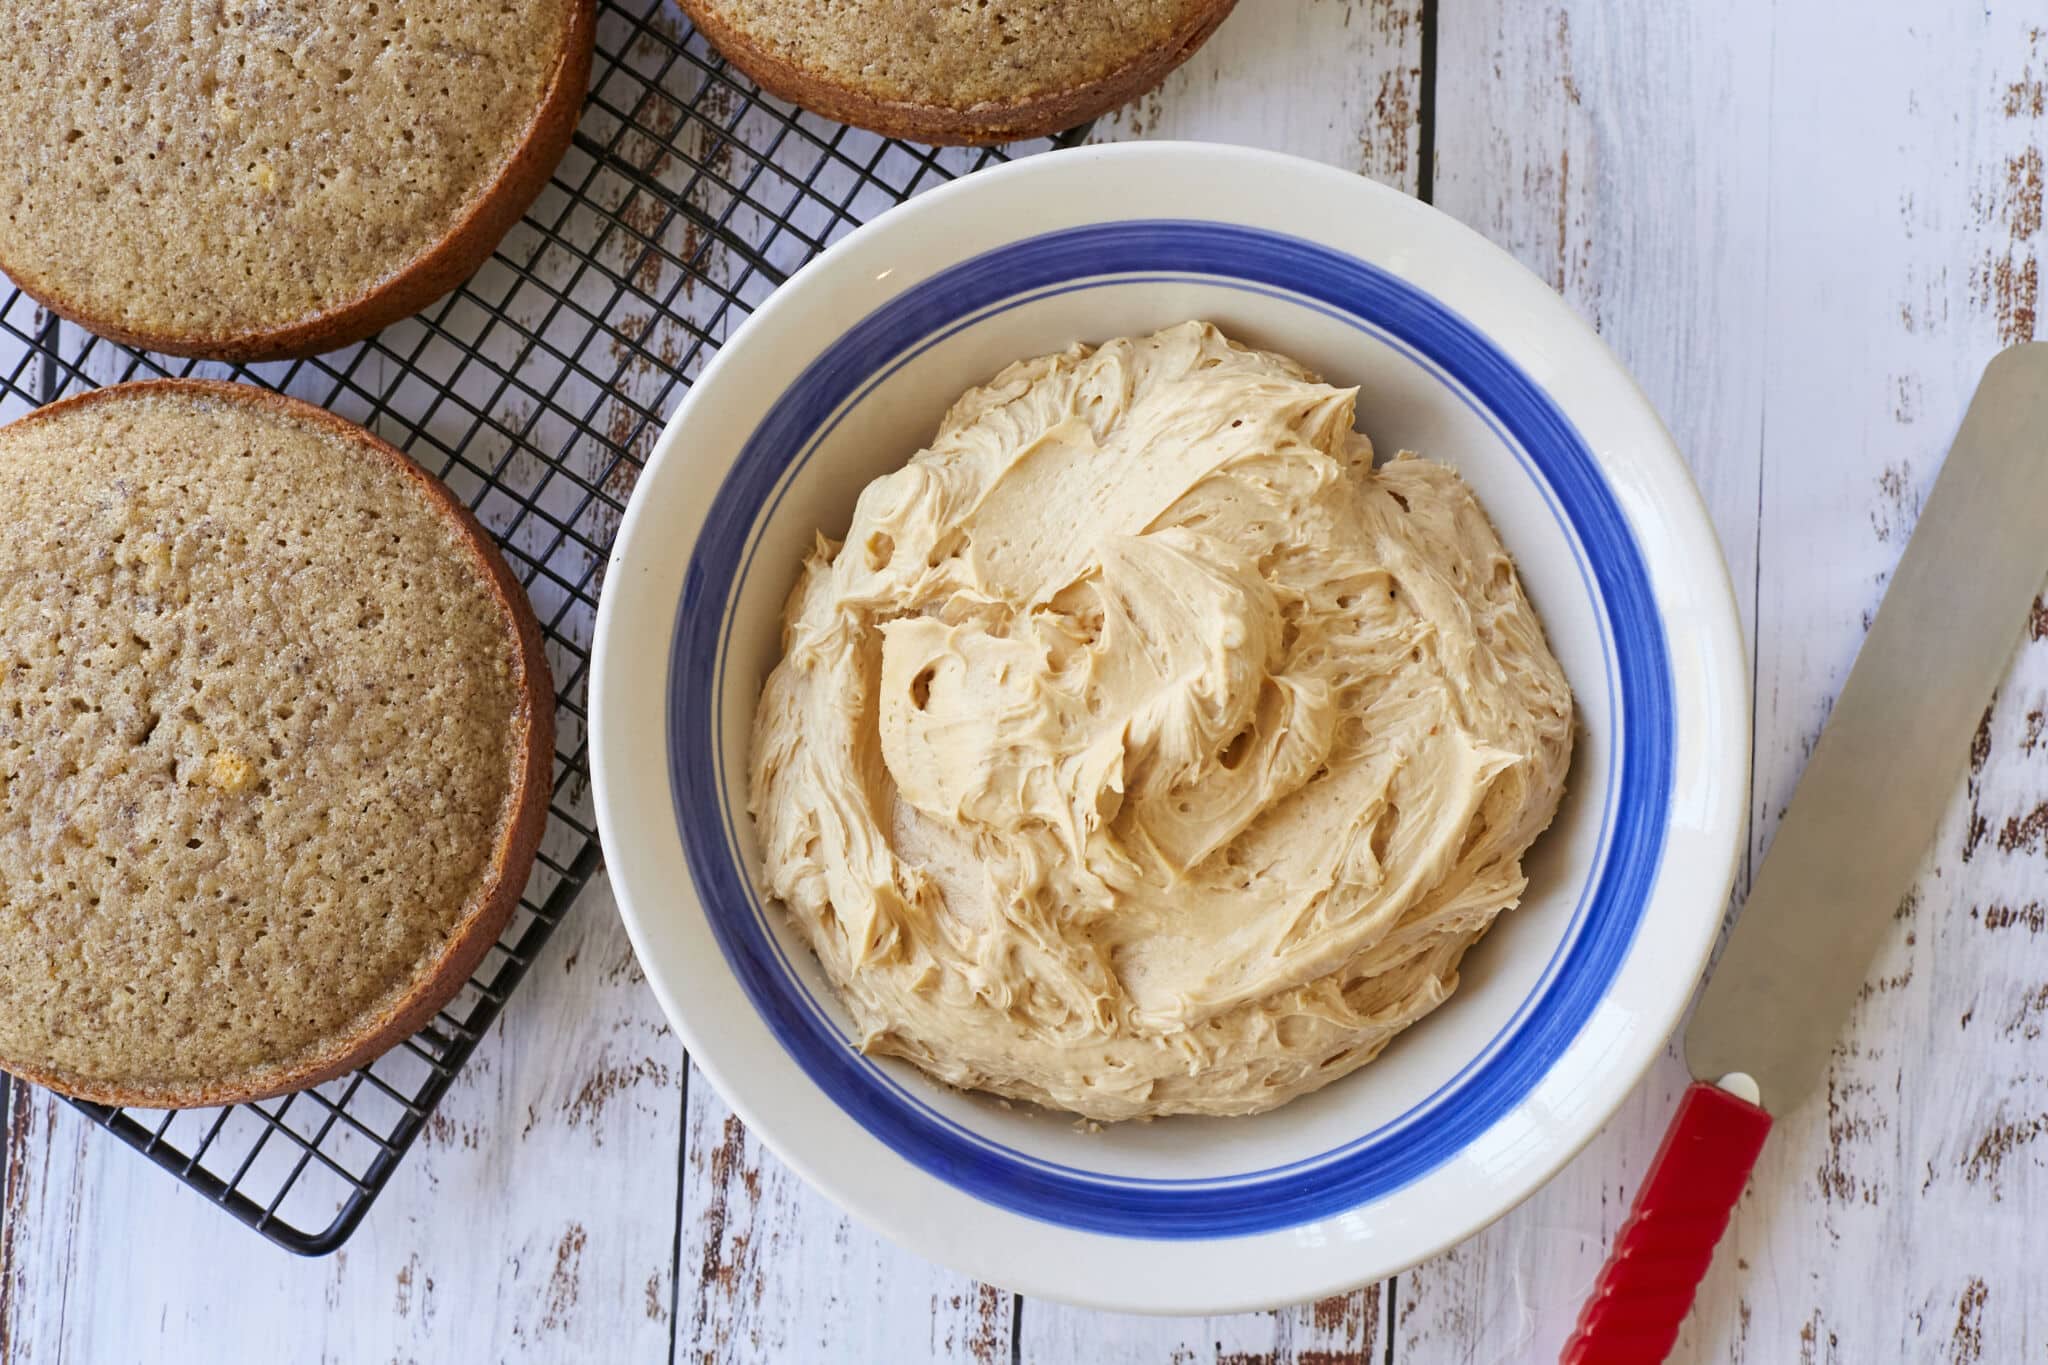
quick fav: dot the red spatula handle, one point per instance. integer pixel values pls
(1663, 1249)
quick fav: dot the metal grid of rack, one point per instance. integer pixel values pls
(535, 390)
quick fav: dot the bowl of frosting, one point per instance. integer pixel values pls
(1169, 728)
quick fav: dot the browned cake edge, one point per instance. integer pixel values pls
(518, 842)
(1038, 116)
(433, 273)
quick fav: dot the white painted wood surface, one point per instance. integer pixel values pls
(1805, 227)
(1619, 150)
(1804, 224)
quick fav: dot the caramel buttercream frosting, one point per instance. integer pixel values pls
(1146, 750)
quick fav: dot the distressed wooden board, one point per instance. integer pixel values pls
(1906, 204)
(1348, 1329)
(1818, 325)
(779, 1270)
(771, 1271)
(1338, 81)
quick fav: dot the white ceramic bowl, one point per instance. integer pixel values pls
(1461, 355)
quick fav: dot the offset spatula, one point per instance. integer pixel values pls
(1844, 856)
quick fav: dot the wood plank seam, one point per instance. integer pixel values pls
(1746, 865)
(1425, 137)
(1425, 190)
(13, 1139)
(675, 1273)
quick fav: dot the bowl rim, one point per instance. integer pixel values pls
(1715, 653)
(1629, 711)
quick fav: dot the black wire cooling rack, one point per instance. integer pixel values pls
(535, 390)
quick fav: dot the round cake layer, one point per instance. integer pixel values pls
(939, 71)
(276, 738)
(250, 181)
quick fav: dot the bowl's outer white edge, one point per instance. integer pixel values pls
(1176, 1285)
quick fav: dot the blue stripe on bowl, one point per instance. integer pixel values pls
(883, 1075)
(1375, 301)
